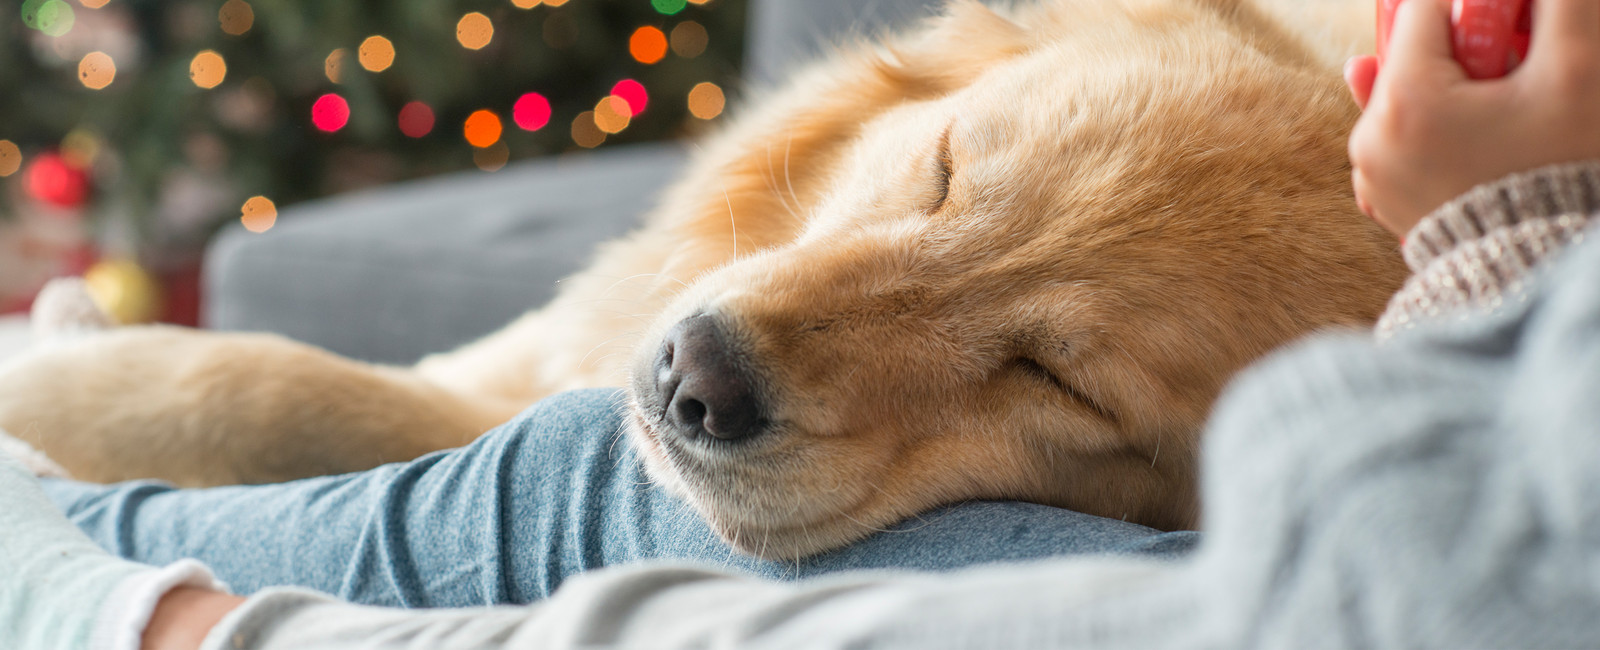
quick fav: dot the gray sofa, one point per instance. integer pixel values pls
(391, 274)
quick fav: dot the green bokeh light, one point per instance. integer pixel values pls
(56, 18)
(669, 7)
(30, 13)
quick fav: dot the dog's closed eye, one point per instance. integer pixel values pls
(945, 173)
(1044, 374)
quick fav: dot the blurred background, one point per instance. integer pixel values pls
(134, 131)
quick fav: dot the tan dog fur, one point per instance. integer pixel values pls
(1143, 196)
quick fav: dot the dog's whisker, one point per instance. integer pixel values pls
(595, 301)
(609, 356)
(786, 179)
(602, 344)
(772, 186)
(733, 225)
(637, 276)
(620, 278)
(852, 372)
(622, 314)
(664, 276)
(865, 525)
(766, 534)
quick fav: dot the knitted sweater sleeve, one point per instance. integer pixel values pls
(1472, 251)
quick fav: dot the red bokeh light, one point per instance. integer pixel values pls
(531, 112)
(416, 119)
(330, 113)
(53, 180)
(634, 93)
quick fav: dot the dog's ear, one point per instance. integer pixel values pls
(953, 49)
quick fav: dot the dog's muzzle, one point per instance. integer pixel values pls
(702, 387)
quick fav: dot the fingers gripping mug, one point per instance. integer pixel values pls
(1490, 36)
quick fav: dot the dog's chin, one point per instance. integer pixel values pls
(791, 543)
(656, 464)
(776, 541)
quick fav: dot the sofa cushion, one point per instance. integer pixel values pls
(392, 274)
(784, 33)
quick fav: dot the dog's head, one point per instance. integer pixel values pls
(1026, 278)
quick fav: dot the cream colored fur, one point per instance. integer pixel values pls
(1144, 196)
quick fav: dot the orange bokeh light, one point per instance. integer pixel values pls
(259, 214)
(689, 39)
(333, 66)
(207, 69)
(10, 158)
(706, 100)
(492, 158)
(524, 4)
(97, 70)
(612, 114)
(376, 54)
(648, 45)
(474, 31)
(585, 133)
(482, 128)
(236, 17)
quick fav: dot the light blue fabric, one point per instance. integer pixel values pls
(552, 494)
(53, 582)
(60, 591)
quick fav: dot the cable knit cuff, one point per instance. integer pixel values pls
(1472, 251)
(128, 610)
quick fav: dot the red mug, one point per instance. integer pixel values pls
(1490, 36)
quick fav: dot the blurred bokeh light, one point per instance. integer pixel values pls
(236, 17)
(474, 31)
(259, 214)
(482, 128)
(706, 101)
(330, 113)
(96, 70)
(207, 69)
(376, 53)
(648, 45)
(531, 112)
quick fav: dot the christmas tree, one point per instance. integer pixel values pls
(131, 130)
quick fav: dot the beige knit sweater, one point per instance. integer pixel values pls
(1476, 250)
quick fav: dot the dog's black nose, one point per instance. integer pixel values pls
(702, 384)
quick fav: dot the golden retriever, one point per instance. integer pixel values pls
(1011, 254)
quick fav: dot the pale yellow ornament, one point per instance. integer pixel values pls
(125, 291)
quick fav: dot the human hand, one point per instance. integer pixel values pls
(1429, 133)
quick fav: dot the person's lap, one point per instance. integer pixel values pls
(555, 492)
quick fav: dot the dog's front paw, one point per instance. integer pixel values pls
(66, 306)
(32, 459)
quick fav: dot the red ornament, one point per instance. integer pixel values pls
(53, 180)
